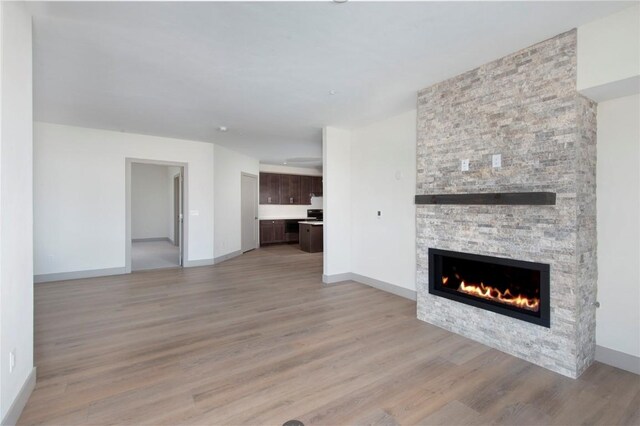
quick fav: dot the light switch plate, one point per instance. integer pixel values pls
(496, 161)
(194, 212)
(464, 165)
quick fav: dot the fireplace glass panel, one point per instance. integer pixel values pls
(511, 287)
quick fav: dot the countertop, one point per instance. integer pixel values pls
(311, 222)
(283, 218)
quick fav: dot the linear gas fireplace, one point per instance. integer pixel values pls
(509, 287)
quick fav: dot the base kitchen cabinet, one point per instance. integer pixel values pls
(278, 231)
(311, 237)
(272, 231)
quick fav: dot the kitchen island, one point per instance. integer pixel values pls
(311, 236)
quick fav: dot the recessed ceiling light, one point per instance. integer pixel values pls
(340, 1)
(332, 92)
(285, 163)
(223, 128)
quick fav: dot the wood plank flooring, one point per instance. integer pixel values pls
(259, 340)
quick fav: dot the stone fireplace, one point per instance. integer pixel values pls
(525, 107)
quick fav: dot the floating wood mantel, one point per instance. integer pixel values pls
(494, 198)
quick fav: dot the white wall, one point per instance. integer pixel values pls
(336, 166)
(609, 73)
(277, 211)
(276, 168)
(618, 194)
(383, 178)
(79, 195)
(151, 201)
(229, 166)
(16, 219)
(609, 55)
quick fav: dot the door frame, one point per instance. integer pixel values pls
(185, 203)
(177, 228)
(181, 216)
(256, 225)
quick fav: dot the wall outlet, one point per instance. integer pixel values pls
(12, 360)
(496, 161)
(464, 165)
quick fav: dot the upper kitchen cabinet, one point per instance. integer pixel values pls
(270, 188)
(305, 190)
(316, 186)
(290, 189)
(278, 188)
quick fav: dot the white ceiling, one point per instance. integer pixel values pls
(265, 70)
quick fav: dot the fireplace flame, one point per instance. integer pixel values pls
(493, 294)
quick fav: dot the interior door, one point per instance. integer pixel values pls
(249, 212)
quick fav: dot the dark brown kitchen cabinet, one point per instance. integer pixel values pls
(311, 238)
(272, 231)
(316, 185)
(270, 188)
(305, 190)
(290, 189)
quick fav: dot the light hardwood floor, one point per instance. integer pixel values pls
(154, 255)
(259, 340)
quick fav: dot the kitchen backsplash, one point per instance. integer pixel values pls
(277, 211)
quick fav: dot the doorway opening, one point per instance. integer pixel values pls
(249, 211)
(156, 200)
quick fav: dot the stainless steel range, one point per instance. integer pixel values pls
(314, 214)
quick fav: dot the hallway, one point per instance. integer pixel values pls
(154, 255)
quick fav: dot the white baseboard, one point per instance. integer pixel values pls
(76, 275)
(371, 282)
(336, 278)
(227, 256)
(618, 359)
(385, 286)
(198, 262)
(150, 240)
(93, 273)
(15, 410)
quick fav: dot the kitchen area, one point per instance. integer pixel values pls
(290, 209)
